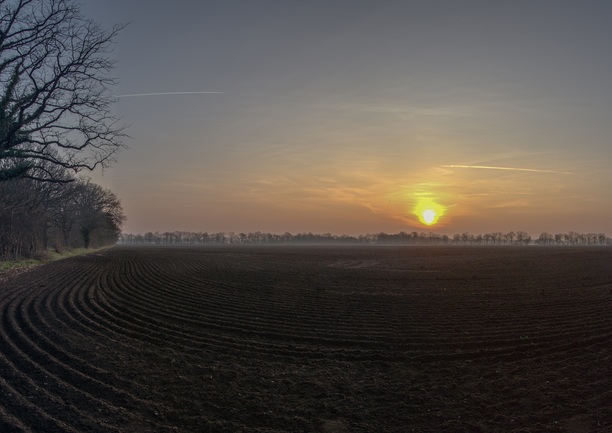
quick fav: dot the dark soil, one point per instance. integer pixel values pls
(312, 339)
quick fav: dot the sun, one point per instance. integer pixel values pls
(428, 211)
(429, 216)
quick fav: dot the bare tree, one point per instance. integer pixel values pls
(99, 212)
(54, 90)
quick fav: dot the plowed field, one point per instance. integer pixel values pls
(313, 339)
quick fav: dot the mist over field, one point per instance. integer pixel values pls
(519, 238)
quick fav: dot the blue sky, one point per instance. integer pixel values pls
(340, 116)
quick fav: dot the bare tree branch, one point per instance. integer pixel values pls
(54, 90)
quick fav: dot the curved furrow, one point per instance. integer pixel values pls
(303, 317)
(71, 368)
(253, 326)
(230, 309)
(21, 404)
(143, 327)
(520, 308)
(259, 330)
(35, 367)
(10, 423)
(126, 391)
(48, 313)
(71, 316)
(222, 322)
(183, 307)
(92, 400)
(131, 304)
(34, 344)
(175, 284)
(454, 344)
(55, 306)
(217, 338)
(194, 335)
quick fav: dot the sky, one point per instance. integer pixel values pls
(354, 117)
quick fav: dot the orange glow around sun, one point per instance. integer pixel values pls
(428, 211)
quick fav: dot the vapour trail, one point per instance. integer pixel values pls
(163, 94)
(488, 167)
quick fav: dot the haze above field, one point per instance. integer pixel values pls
(346, 116)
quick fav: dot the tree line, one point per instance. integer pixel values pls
(401, 238)
(36, 216)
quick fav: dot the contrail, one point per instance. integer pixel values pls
(162, 94)
(487, 167)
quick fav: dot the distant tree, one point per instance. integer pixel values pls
(601, 239)
(177, 237)
(54, 91)
(523, 238)
(545, 238)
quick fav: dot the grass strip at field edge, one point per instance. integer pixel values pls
(12, 268)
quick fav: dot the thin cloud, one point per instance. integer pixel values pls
(488, 167)
(164, 94)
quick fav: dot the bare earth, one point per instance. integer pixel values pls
(313, 339)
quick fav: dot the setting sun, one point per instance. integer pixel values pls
(428, 211)
(429, 216)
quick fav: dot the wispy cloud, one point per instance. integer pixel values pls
(407, 111)
(131, 95)
(489, 167)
